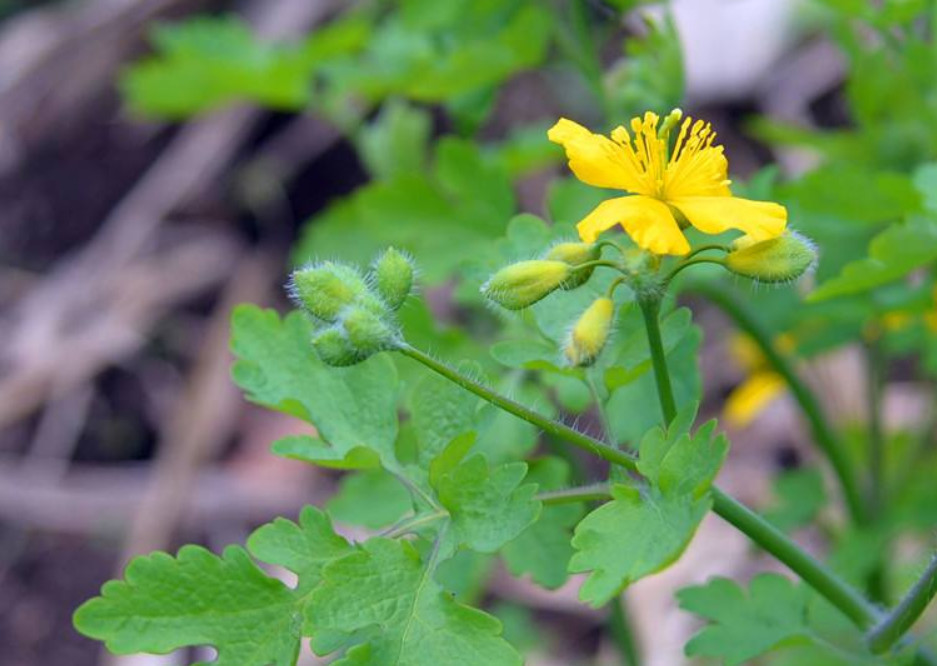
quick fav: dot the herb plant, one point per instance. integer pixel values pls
(461, 457)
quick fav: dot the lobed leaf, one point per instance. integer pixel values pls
(383, 597)
(197, 598)
(744, 627)
(543, 550)
(354, 409)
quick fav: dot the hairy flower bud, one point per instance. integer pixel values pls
(590, 333)
(575, 254)
(522, 284)
(780, 259)
(368, 332)
(333, 347)
(393, 276)
(326, 288)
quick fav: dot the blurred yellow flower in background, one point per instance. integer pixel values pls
(669, 189)
(762, 384)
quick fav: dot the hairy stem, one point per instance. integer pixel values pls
(548, 425)
(822, 433)
(751, 524)
(900, 620)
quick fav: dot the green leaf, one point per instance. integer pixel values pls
(855, 194)
(303, 548)
(385, 596)
(543, 550)
(487, 506)
(396, 142)
(444, 218)
(633, 536)
(205, 63)
(743, 627)
(651, 74)
(645, 529)
(440, 411)
(680, 464)
(800, 496)
(354, 409)
(197, 598)
(892, 254)
(633, 356)
(925, 180)
(634, 408)
(372, 498)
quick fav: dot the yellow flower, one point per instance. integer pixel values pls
(670, 189)
(761, 386)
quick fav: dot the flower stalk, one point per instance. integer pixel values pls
(900, 620)
(825, 582)
(822, 432)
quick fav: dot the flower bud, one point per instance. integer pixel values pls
(333, 347)
(780, 259)
(326, 288)
(368, 332)
(520, 285)
(575, 254)
(590, 333)
(393, 276)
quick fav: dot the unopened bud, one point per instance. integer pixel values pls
(590, 333)
(333, 347)
(393, 276)
(780, 259)
(575, 254)
(522, 284)
(326, 288)
(367, 331)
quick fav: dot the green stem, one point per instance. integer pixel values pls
(768, 537)
(598, 262)
(650, 308)
(876, 494)
(706, 248)
(874, 385)
(589, 493)
(692, 262)
(822, 433)
(620, 626)
(900, 620)
(548, 425)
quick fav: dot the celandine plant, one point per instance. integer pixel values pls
(442, 485)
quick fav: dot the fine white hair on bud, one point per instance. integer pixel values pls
(522, 284)
(780, 259)
(590, 333)
(324, 289)
(392, 275)
(575, 254)
(355, 315)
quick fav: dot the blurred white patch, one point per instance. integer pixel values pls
(730, 45)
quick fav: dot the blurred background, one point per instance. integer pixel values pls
(157, 168)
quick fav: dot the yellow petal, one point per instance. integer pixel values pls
(751, 397)
(648, 221)
(595, 159)
(761, 220)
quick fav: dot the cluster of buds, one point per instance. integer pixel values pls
(564, 266)
(354, 312)
(569, 265)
